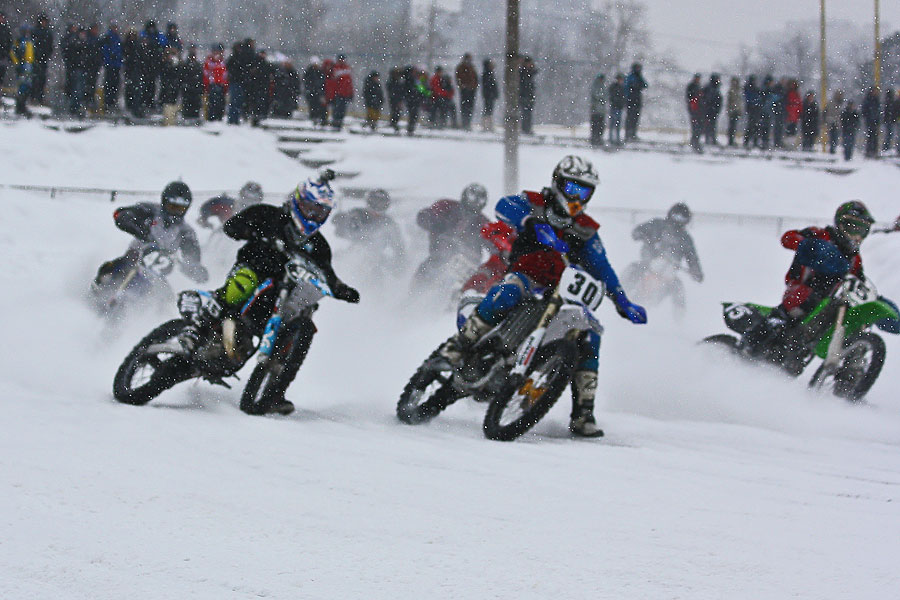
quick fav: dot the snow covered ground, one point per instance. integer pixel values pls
(715, 480)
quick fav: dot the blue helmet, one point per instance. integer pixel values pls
(310, 204)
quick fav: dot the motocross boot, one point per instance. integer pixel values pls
(281, 407)
(584, 388)
(472, 330)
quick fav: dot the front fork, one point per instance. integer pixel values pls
(529, 347)
(836, 344)
(270, 334)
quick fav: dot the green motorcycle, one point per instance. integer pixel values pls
(838, 331)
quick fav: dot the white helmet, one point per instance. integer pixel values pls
(574, 182)
(251, 193)
(310, 205)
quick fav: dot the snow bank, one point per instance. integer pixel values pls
(716, 479)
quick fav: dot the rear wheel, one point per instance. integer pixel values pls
(143, 376)
(859, 367)
(271, 379)
(722, 340)
(428, 392)
(517, 410)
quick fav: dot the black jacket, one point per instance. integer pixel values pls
(396, 90)
(169, 83)
(192, 78)
(616, 96)
(849, 122)
(527, 86)
(810, 116)
(314, 82)
(260, 225)
(286, 89)
(5, 41)
(373, 94)
(43, 44)
(489, 89)
(711, 101)
(871, 110)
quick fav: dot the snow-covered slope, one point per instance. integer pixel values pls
(715, 480)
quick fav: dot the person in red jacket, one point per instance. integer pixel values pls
(794, 105)
(441, 98)
(330, 84)
(823, 255)
(455, 242)
(501, 236)
(215, 83)
(490, 273)
(343, 90)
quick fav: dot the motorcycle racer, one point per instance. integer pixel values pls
(823, 255)
(272, 235)
(224, 207)
(159, 225)
(534, 265)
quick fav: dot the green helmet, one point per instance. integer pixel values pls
(852, 221)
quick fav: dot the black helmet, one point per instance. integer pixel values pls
(176, 198)
(680, 214)
(378, 200)
(474, 197)
(852, 222)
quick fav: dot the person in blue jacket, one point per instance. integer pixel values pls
(113, 58)
(552, 229)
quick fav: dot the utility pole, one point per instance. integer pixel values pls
(877, 48)
(823, 89)
(511, 101)
(432, 17)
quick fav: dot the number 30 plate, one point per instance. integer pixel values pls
(577, 286)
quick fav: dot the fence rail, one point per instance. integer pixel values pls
(777, 222)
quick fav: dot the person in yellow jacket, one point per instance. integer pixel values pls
(22, 56)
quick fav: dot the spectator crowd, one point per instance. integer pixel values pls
(153, 72)
(146, 72)
(777, 114)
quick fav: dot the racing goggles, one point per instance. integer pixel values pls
(854, 226)
(177, 206)
(577, 195)
(311, 210)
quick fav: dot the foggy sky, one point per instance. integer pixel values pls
(700, 33)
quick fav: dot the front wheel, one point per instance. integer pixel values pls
(515, 411)
(429, 391)
(860, 364)
(145, 375)
(270, 379)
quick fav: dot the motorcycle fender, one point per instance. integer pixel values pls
(858, 318)
(740, 317)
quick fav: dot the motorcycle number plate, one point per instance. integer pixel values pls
(157, 261)
(577, 286)
(859, 292)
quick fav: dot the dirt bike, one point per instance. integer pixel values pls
(838, 331)
(521, 366)
(158, 363)
(141, 279)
